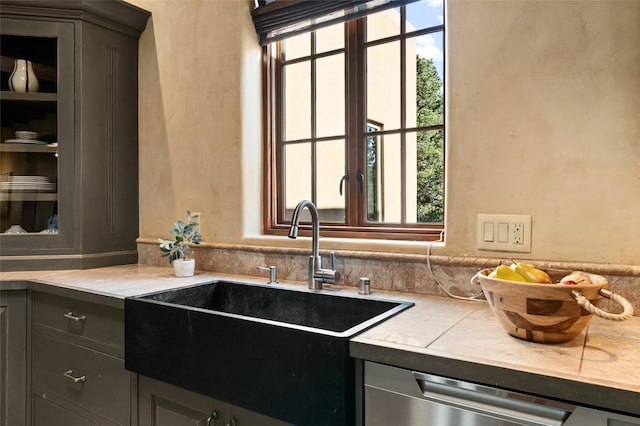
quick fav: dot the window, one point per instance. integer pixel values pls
(355, 123)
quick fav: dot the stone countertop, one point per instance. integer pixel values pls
(463, 340)
(109, 285)
(448, 337)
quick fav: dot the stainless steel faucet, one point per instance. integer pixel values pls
(317, 275)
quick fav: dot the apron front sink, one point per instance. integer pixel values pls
(278, 351)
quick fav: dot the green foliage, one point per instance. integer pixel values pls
(184, 233)
(428, 93)
(430, 149)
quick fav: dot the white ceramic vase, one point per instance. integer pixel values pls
(184, 267)
(23, 79)
(15, 229)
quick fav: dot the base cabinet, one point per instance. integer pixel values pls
(78, 374)
(13, 357)
(161, 404)
(48, 413)
(62, 364)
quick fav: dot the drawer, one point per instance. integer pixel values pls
(46, 413)
(98, 326)
(101, 384)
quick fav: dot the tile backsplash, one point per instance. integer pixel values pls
(387, 271)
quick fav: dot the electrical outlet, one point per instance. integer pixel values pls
(518, 233)
(502, 232)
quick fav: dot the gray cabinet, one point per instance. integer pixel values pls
(78, 374)
(161, 404)
(13, 357)
(238, 416)
(83, 177)
(47, 412)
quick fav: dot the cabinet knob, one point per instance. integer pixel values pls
(75, 318)
(232, 422)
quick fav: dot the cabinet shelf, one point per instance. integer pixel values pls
(45, 149)
(7, 95)
(28, 196)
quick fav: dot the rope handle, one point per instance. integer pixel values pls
(626, 314)
(475, 280)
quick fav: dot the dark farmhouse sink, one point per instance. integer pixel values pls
(278, 351)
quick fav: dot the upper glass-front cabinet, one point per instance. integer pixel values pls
(69, 133)
(37, 134)
(29, 145)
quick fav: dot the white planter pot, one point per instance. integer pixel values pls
(184, 268)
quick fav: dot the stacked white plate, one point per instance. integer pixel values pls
(30, 141)
(28, 183)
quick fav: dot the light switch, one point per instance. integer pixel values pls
(488, 231)
(503, 232)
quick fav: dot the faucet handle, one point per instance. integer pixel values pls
(330, 276)
(273, 273)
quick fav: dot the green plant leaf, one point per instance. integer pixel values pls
(184, 233)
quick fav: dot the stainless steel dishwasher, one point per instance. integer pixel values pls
(394, 396)
(398, 397)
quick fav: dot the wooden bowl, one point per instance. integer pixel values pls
(540, 312)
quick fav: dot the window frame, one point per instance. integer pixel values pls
(274, 222)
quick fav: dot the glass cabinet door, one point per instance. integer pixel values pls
(36, 123)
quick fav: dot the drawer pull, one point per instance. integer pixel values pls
(72, 317)
(213, 417)
(69, 375)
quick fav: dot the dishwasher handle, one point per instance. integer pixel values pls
(492, 401)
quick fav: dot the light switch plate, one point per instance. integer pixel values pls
(511, 232)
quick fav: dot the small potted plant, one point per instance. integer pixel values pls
(178, 250)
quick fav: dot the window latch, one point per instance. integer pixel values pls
(344, 178)
(361, 181)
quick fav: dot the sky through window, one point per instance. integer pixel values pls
(423, 14)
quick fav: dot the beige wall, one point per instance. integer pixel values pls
(200, 119)
(543, 118)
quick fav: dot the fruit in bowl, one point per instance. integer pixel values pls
(553, 311)
(521, 272)
(531, 274)
(527, 273)
(576, 278)
(503, 272)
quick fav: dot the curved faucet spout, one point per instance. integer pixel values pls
(315, 225)
(317, 275)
